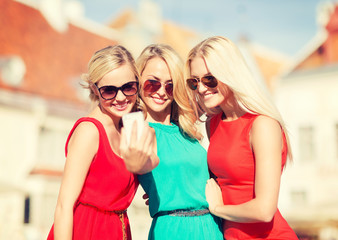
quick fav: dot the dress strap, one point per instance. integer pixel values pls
(96, 122)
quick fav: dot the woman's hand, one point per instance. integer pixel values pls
(139, 156)
(213, 195)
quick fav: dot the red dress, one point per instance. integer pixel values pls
(100, 210)
(232, 161)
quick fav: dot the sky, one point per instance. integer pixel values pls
(285, 26)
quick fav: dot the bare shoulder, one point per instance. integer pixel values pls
(87, 128)
(265, 122)
(266, 126)
(86, 133)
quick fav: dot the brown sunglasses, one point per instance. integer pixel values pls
(208, 81)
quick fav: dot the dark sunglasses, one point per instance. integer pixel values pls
(208, 81)
(109, 92)
(151, 86)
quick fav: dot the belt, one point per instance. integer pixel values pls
(184, 213)
(120, 213)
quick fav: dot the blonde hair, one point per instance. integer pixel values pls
(225, 62)
(104, 61)
(181, 111)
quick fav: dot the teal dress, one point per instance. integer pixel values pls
(178, 184)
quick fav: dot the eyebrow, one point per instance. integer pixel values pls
(207, 74)
(152, 76)
(156, 78)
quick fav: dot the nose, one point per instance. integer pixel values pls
(161, 91)
(120, 96)
(201, 88)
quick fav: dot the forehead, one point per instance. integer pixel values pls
(118, 76)
(198, 67)
(157, 67)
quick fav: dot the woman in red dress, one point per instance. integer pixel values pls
(248, 146)
(96, 187)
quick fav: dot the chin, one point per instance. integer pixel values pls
(210, 104)
(159, 108)
(120, 113)
(213, 102)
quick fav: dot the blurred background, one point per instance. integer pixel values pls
(45, 45)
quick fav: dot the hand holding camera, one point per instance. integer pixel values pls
(138, 144)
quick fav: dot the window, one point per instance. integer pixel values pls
(51, 151)
(306, 144)
(27, 210)
(298, 197)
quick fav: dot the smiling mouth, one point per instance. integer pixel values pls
(121, 106)
(207, 96)
(159, 100)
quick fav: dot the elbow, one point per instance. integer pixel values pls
(62, 210)
(266, 215)
(267, 218)
(58, 211)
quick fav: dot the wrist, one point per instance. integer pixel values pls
(215, 209)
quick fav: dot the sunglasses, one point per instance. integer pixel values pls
(109, 92)
(151, 86)
(208, 81)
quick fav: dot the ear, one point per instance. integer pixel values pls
(94, 89)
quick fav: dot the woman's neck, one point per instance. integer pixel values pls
(106, 119)
(232, 111)
(158, 117)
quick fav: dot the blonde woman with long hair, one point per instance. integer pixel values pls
(248, 145)
(176, 186)
(96, 187)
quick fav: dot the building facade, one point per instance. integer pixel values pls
(307, 95)
(43, 52)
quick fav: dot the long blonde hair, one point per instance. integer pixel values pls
(181, 110)
(226, 63)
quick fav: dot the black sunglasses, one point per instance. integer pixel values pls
(208, 81)
(109, 92)
(151, 86)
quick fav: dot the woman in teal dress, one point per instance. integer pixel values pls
(176, 187)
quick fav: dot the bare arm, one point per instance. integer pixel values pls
(266, 142)
(82, 148)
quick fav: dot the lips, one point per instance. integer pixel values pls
(121, 106)
(207, 96)
(159, 100)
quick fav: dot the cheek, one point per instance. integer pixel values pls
(221, 97)
(102, 102)
(133, 99)
(143, 94)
